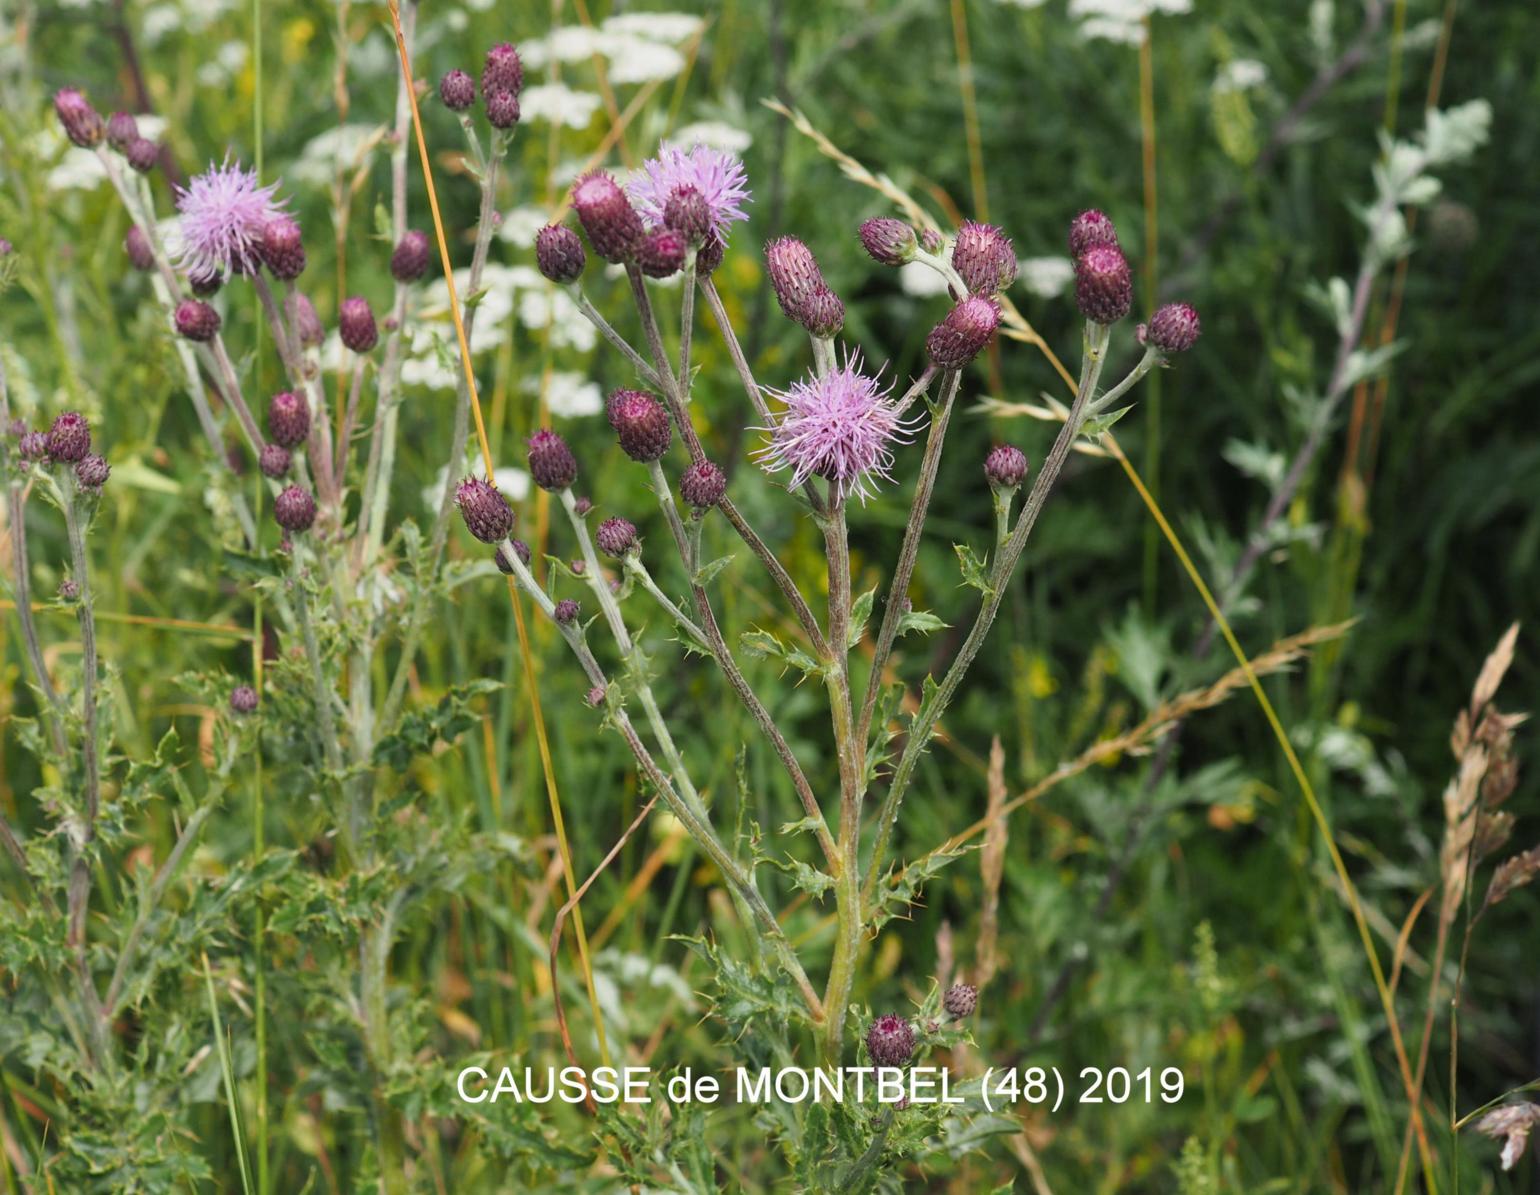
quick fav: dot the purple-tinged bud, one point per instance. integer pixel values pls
(984, 258)
(355, 324)
(91, 472)
(582, 506)
(502, 108)
(69, 439)
(962, 335)
(890, 1040)
(931, 240)
(82, 123)
(612, 225)
(551, 462)
(960, 1000)
(137, 246)
(559, 254)
(890, 242)
(457, 90)
(69, 590)
(1173, 328)
(520, 549)
(307, 324)
(142, 154)
(824, 313)
(288, 418)
(1005, 467)
(710, 255)
(122, 131)
(566, 611)
(16, 429)
(503, 71)
(578, 567)
(205, 283)
(616, 537)
(274, 461)
(411, 258)
(33, 446)
(687, 214)
(1088, 229)
(641, 424)
(702, 486)
(196, 320)
(661, 254)
(596, 696)
(1104, 286)
(282, 249)
(243, 700)
(794, 274)
(486, 512)
(294, 509)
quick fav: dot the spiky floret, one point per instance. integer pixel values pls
(225, 211)
(715, 174)
(486, 512)
(840, 427)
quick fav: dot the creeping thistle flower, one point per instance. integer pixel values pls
(142, 154)
(661, 254)
(1173, 328)
(1091, 228)
(890, 242)
(356, 326)
(274, 461)
(1005, 468)
(566, 611)
(839, 427)
(243, 700)
(641, 425)
(69, 439)
(282, 249)
(294, 509)
(137, 246)
(962, 335)
(551, 463)
(225, 212)
(823, 314)
(82, 123)
(486, 512)
(307, 324)
(702, 486)
(502, 71)
(122, 131)
(502, 108)
(288, 418)
(984, 258)
(33, 446)
(715, 174)
(960, 1000)
(91, 472)
(688, 214)
(457, 90)
(1104, 286)
(411, 257)
(612, 224)
(794, 274)
(890, 1040)
(616, 537)
(559, 254)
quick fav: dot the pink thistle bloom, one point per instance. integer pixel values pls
(224, 214)
(839, 427)
(716, 174)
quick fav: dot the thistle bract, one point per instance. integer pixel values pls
(566, 611)
(1005, 467)
(282, 249)
(457, 90)
(661, 254)
(356, 326)
(243, 700)
(274, 461)
(1088, 229)
(890, 242)
(616, 537)
(962, 335)
(82, 123)
(411, 257)
(502, 70)
(196, 320)
(960, 1000)
(288, 418)
(92, 471)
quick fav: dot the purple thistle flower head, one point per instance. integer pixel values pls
(714, 173)
(69, 590)
(1005, 467)
(122, 130)
(687, 214)
(243, 700)
(33, 445)
(559, 253)
(596, 696)
(204, 285)
(356, 326)
(1091, 228)
(91, 472)
(795, 275)
(282, 248)
(502, 107)
(983, 258)
(486, 512)
(142, 154)
(137, 246)
(890, 1040)
(661, 253)
(551, 462)
(1173, 328)
(612, 225)
(889, 242)
(457, 90)
(274, 461)
(502, 70)
(225, 212)
(196, 320)
(641, 424)
(69, 439)
(960, 1000)
(411, 257)
(824, 314)
(616, 537)
(839, 427)
(504, 565)
(82, 123)
(1104, 285)
(288, 418)
(566, 611)
(306, 322)
(962, 335)
(702, 485)
(294, 509)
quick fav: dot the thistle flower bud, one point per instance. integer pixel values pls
(294, 509)
(578, 567)
(457, 90)
(710, 255)
(122, 131)
(1104, 286)
(137, 246)
(91, 472)
(890, 242)
(82, 123)
(1173, 328)
(355, 324)
(960, 1000)
(502, 108)
(205, 283)
(612, 225)
(411, 258)
(69, 439)
(69, 590)
(641, 425)
(794, 274)
(566, 611)
(504, 566)
(616, 537)
(1005, 467)
(596, 696)
(984, 258)
(243, 700)
(890, 1040)
(824, 313)
(551, 462)
(486, 512)
(582, 506)
(33, 446)
(931, 240)
(1088, 229)
(661, 253)
(274, 461)
(559, 254)
(196, 320)
(142, 154)
(307, 324)
(502, 71)
(702, 486)
(687, 213)
(962, 335)
(282, 249)
(288, 418)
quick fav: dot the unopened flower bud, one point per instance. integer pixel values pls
(142, 154)
(82, 123)
(612, 224)
(641, 425)
(566, 611)
(960, 1000)
(137, 246)
(502, 108)
(288, 418)
(824, 313)
(69, 439)
(962, 335)
(794, 274)
(502, 71)
(931, 240)
(274, 461)
(457, 90)
(596, 696)
(984, 258)
(504, 566)
(551, 462)
(687, 213)
(307, 324)
(486, 512)
(559, 254)
(1104, 286)
(205, 283)
(890, 242)
(294, 509)
(243, 700)
(196, 320)
(582, 506)
(661, 254)
(1173, 328)
(122, 130)
(411, 258)
(709, 256)
(33, 446)
(282, 249)
(1005, 467)
(890, 1040)
(69, 590)
(355, 324)
(702, 486)
(1088, 229)
(91, 472)
(616, 537)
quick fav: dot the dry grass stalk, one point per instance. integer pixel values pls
(992, 864)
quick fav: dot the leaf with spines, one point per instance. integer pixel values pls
(921, 622)
(975, 569)
(860, 613)
(762, 643)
